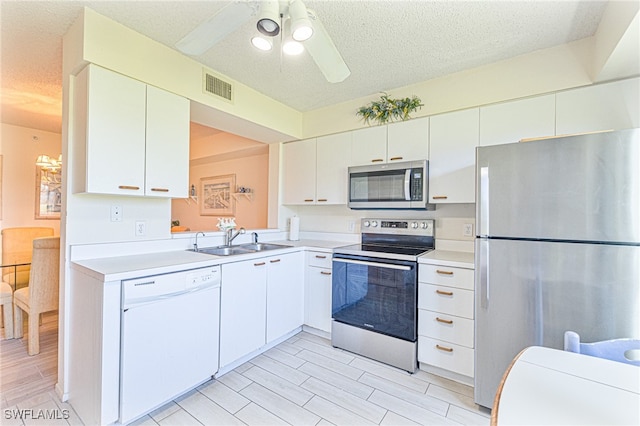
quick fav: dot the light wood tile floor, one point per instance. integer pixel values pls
(303, 381)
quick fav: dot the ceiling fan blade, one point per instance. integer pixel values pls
(324, 52)
(224, 22)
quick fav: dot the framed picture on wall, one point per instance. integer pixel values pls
(215, 195)
(48, 193)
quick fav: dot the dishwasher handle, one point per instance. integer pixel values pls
(145, 300)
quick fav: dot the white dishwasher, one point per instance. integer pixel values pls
(169, 338)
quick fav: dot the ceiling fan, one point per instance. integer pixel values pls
(299, 29)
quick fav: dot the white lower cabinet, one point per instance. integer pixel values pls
(446, 318)
(317, 294)
(285, 294)
(261, 300)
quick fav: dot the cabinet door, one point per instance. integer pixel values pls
(369, 146)
(115, 133)
(611, 106)
(511, 121)
(242, 309)
(454, 137)
(408, 140)
(333, 157)
(285, 294)
(167, 144)
(299, 172)
(317, 298)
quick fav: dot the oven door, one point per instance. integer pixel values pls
(375, 294)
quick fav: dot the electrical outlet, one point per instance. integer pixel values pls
(141, 228)
(116, 213)
(467, 230)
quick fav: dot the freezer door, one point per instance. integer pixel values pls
(583, 188)
(530, 293)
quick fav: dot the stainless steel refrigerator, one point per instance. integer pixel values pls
(557, 246)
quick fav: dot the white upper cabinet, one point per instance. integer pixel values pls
(299, 172)
(453, 139)
(509, 122)
(369, 146)
(167, 144)
(611, 106)
(315, 170)
(131, 139)
(408, 140)
(402, 141)
(332, 161)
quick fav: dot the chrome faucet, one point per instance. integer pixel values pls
(229, 236)
(254, 235)
(195, 245)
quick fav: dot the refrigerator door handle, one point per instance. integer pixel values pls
(483, 273)
(483, 208)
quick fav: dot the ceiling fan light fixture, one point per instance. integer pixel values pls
(268, 18)
(301, 28)
(292, 47)
(262, 43)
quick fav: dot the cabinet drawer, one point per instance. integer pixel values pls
(446, 275)
(446, 355)
(448, 300)
(445, 327)
(319, 259)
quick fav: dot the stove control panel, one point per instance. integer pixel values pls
(398, 226)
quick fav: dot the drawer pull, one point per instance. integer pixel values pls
(441, 272)
(395, 158)
(377, 160)
(444, 293)
(444, 321)
(160, 189)
(325, 273)
(444, 348)
(259, 264)
(320, 257)
(134, 188)
(274, 261)
(308, 200)
(322, 200)
(439, 197)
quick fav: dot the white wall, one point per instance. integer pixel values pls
(20, 147)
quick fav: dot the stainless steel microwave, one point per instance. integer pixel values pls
(390, 186)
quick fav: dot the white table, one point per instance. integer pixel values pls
(551, 387)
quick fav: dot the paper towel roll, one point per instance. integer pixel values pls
(294, 228)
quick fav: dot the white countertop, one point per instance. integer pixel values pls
(126, 267)
(456, 259)
(548, 386)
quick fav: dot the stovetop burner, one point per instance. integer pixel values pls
(393, 239)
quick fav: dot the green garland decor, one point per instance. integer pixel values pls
(386, 110)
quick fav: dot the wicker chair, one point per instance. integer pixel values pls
(17, 244)
(42, 293)
(6, 301)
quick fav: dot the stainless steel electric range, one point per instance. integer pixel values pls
(375, 290)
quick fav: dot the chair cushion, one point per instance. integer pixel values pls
(22, 296)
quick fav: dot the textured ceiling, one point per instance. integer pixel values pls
(386, 44)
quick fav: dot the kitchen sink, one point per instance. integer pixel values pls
(240, 249)
(262, 246)
(224, 251)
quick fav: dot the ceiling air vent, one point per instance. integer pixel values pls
(218, 87)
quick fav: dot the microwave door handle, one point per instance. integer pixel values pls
(407, 185)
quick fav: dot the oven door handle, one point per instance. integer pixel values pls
(375, 264)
